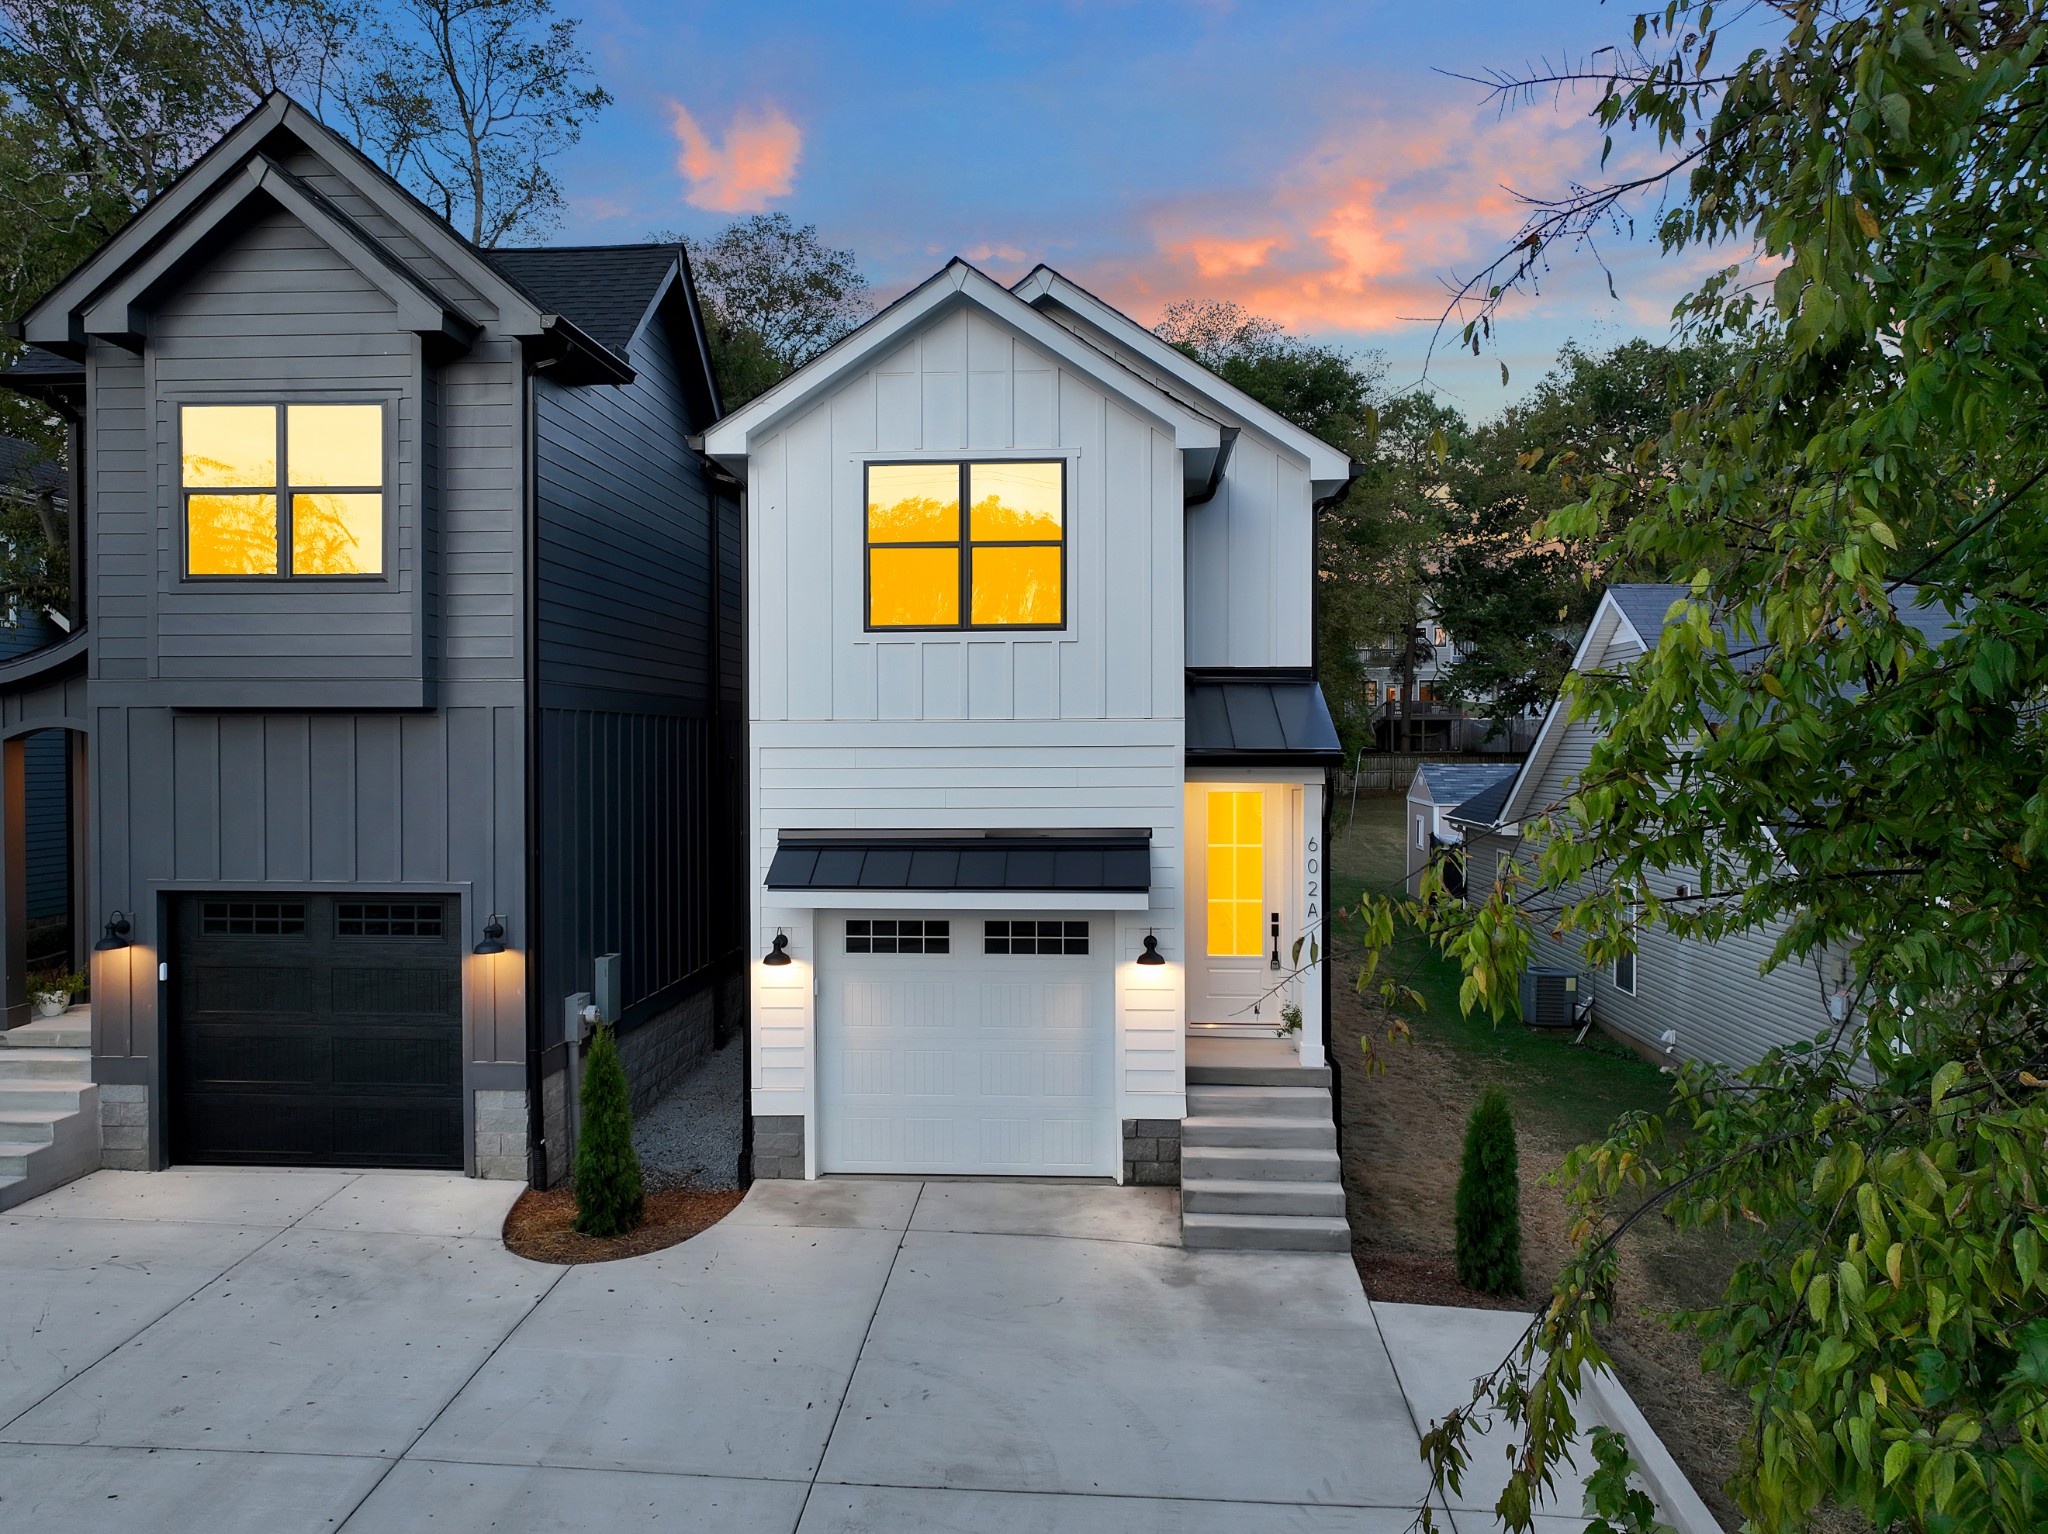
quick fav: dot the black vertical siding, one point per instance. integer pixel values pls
(638, 667)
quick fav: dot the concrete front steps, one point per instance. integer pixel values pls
(49, 1107)
(1258, 1161)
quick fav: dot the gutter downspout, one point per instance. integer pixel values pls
(536, 1035)
(1315, 661)
(1229, 435)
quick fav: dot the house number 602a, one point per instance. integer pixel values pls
(1315, 882)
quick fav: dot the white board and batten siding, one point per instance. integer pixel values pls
(969, 731)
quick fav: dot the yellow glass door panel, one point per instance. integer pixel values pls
(1237, 872)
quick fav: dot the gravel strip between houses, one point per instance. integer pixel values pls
(691, 1138)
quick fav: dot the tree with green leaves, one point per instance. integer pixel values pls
(1487, 1218)
(774, 295)
(1517, 602)
(1812, 756)
(610, 1194)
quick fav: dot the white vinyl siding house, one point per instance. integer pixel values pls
(959, 741)
(1711, 1002)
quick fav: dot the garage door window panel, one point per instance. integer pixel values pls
(1018, 937)
(896, 935)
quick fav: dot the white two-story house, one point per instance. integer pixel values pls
(1038, 761)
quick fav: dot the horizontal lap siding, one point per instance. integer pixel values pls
(639, 806)
(280, 313)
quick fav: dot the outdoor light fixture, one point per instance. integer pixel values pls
(1151, 955)
(494, 935)
(778, 951)
(116, 934)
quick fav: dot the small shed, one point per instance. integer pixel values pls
(1439, 788)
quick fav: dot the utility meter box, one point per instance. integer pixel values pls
(604, 986)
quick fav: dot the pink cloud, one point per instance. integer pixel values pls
(754, 163)
(1359, 234)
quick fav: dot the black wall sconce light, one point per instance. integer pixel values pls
(1151, 955)
(116, 934)
(493, 940)
(778, 951)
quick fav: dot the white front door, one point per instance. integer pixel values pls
(974, 1044)
(1239, 836)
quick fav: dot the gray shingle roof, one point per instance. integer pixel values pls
(1452, 783)
(1484, 807)
(24, 467)
(604, 290)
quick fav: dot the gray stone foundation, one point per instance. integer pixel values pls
(661, 1051)
(124, 1127)
(779, 1145)
(501, 1135)
(1152, 1152)
(554, 1119)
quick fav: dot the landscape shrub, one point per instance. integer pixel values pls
(1489, 1217)
(610, 1197)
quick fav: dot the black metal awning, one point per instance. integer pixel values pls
(1260, 716)
(1115, 863)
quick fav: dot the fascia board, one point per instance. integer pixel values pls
(1327, 466)
(728, 440)
(517, 313)
(1514, 809)
(120, 313)
(55, 319)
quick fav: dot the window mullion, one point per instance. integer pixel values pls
(966, 532)
(284, 503)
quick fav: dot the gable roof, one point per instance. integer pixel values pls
(173, 228)
(1643, 609)
(956, 284)
(605, 289)
(1450, 784)
(1329, 468)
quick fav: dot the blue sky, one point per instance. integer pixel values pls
(1307, 159)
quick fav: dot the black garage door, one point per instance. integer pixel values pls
(317, 1030)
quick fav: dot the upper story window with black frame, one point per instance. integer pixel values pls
(1000, 564)
(282, 490)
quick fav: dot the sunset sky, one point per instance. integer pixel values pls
(1309, 160)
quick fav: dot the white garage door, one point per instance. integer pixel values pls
(968, 1044)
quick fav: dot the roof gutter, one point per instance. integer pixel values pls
(1229, 435)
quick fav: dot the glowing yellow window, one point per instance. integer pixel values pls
(276, 490)
(1004, 568)
(1237, 872)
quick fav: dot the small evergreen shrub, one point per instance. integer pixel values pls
(1489, 1216)
(609, 1194)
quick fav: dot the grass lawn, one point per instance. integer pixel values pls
(1402, 1137)
(1581, 1088)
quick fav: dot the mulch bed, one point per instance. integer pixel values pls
(542, 1225)
(1420, 1278)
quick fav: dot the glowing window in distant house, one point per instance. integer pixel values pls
(1237, 872)
(966, 545)
(282, 490)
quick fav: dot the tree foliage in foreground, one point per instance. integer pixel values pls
(1804, 754)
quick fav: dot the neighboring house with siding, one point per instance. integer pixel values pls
(407, 667)
(1702, 1001)
(1434, 795)
(1039, 763)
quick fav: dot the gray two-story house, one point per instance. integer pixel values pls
(406, 669)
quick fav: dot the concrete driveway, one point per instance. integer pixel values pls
(285, 1351)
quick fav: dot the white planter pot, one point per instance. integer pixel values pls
(52, 1003)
